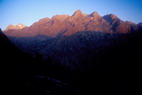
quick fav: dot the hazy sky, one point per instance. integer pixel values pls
(30, 11)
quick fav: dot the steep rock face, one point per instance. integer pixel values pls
(111, 18)
(68, 25)
(119, 26)
(77, 14)
(95, 15)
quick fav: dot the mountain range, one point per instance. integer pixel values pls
(71, 39)
(72, 55)
(68, 25)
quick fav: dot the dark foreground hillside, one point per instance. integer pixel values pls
(111, 71)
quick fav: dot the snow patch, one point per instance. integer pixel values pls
(20, 26)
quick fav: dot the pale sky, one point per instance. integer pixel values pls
(29, 11)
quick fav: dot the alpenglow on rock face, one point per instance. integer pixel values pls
(68, 25)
